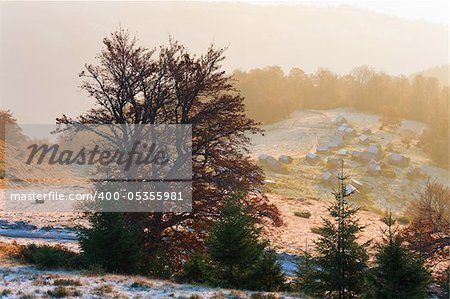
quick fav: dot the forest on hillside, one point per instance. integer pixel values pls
(440, 72)
(271, 95)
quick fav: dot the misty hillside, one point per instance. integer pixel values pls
(439, 72)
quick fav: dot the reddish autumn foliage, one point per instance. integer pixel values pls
(428, 234)
(135, 85)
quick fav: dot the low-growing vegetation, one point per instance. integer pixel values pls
(66, 282)
(63, 292)
(103, 289)
(50, 257)
(303, 214)
(140, 284)
(9, 250)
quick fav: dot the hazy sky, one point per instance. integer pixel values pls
(44, 45)
(430, 11)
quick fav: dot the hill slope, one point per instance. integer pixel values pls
(439, 72)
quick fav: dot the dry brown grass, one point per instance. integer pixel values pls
(8, 252)
(296, 235)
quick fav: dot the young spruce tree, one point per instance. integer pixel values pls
(398, 275)
(111, 242)
(238, 256)
(267, 273)
(337, 268)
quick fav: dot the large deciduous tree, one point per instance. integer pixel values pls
(134, 85)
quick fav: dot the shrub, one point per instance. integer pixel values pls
(103, 289)
(303, 214)
(50, 257)
(140, 284)
(59, 292)
(66, 282)
(40, 281)
(218, 295)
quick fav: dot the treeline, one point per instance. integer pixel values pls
(271, 95)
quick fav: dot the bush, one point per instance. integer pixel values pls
(140, 284)
(50, 257)
(103, 289)
(66, 282)
(59, 292)
(303, 214)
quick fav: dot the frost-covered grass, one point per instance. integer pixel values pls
(19, 280)
(307, 129)
(29, 282)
